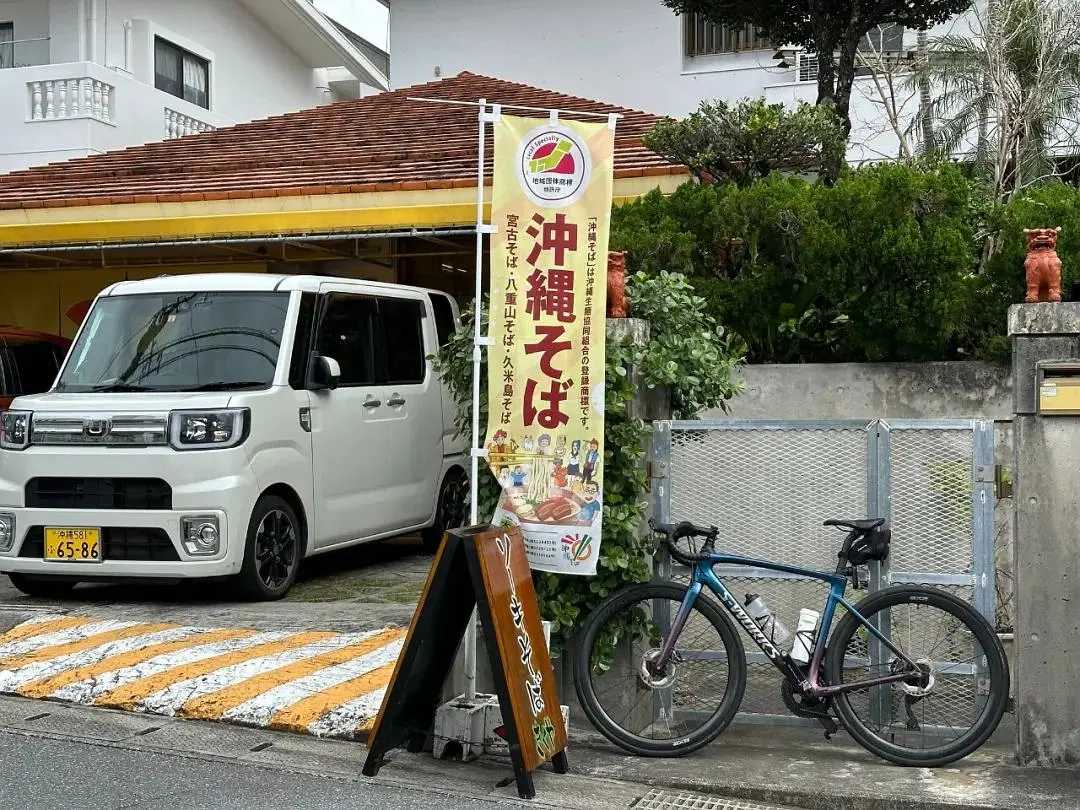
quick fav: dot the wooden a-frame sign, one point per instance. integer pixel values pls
(486, 568)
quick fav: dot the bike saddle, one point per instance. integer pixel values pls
(857, 525)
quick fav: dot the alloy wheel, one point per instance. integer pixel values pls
(275, 548)
(452, 506)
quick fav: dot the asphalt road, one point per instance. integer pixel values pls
(44, 773)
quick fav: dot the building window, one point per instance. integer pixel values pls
(7, 46)
(705, 37)
(181, 73)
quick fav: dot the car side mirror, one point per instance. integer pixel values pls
(325, 373)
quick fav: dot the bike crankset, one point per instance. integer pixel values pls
(811, 707)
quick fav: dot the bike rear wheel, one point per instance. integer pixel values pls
(945, 712)
(658, 713)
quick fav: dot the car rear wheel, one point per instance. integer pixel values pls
(43, 587)
(274, 548)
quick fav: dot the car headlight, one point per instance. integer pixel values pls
(206, 430)
(15, 429)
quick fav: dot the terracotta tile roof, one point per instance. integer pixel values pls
(379, 143)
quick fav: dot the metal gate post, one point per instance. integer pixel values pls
(982, 512)
(660, 486)
(878, 490)
(660, 508)
(879, 504)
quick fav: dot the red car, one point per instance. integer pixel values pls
(28, 362)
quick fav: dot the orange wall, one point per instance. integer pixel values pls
(55, 301)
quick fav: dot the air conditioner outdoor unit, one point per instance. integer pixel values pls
(806, 66)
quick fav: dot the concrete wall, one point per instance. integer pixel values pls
(253, 73)
(883, 390)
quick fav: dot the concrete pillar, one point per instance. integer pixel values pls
(1047, 554)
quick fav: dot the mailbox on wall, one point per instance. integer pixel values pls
(1059, 387)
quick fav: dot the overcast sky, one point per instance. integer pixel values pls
(368, 18)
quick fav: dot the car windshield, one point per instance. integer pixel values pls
(189, 341)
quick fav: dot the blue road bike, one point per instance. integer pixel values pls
(914, 674)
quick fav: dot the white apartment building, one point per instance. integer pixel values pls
(636, 53)
(79, 77)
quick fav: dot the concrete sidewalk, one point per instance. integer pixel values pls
(777, 767)
(797, 766)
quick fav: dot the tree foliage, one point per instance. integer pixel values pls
(1011, 90)
(748, 140)
(832, 29)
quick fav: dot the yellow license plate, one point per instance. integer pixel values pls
(73, 544)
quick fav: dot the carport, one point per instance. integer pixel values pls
(382, 188)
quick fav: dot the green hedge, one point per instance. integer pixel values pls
(881, 266)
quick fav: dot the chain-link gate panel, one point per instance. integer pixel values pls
(937, 483)
(768, 486)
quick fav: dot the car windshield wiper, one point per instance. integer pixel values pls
(226, 386)
(116, 388)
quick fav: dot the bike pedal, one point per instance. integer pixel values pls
(830, 726)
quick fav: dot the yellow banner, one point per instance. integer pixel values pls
(551, 207)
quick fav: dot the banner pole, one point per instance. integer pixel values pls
(478, 343)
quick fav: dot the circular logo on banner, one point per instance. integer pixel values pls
(554, 166)
(577, 548)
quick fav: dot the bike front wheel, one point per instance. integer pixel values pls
(943, 712)
(652, 711)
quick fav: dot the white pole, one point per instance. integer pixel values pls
(80, 12)
(478, 343)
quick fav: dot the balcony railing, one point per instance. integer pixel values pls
(53, 99)
(177, 125)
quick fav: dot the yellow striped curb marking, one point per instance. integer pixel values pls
(315, 682)
(44, 687)
(225, 700)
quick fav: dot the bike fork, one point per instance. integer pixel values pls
(677, 626)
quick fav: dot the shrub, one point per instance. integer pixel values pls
(874, 268)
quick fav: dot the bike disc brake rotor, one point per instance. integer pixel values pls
(650, 678)
(926, 682)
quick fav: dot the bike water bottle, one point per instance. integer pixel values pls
(804, 635)
(772, 627)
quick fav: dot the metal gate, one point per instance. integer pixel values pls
(769, 485)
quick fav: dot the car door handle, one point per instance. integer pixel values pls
(372, 403)
(396, 401)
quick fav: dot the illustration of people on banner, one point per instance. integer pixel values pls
(551, 204)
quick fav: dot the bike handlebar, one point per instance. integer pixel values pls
(673, 532)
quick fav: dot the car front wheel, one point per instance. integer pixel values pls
(273, 551)
(43, 587)
(450, 510)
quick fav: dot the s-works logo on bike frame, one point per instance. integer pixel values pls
(749, 624)
(554, 166)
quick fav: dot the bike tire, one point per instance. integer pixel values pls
(617, 604)
(997, 670)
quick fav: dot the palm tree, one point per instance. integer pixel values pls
(1010, 92)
